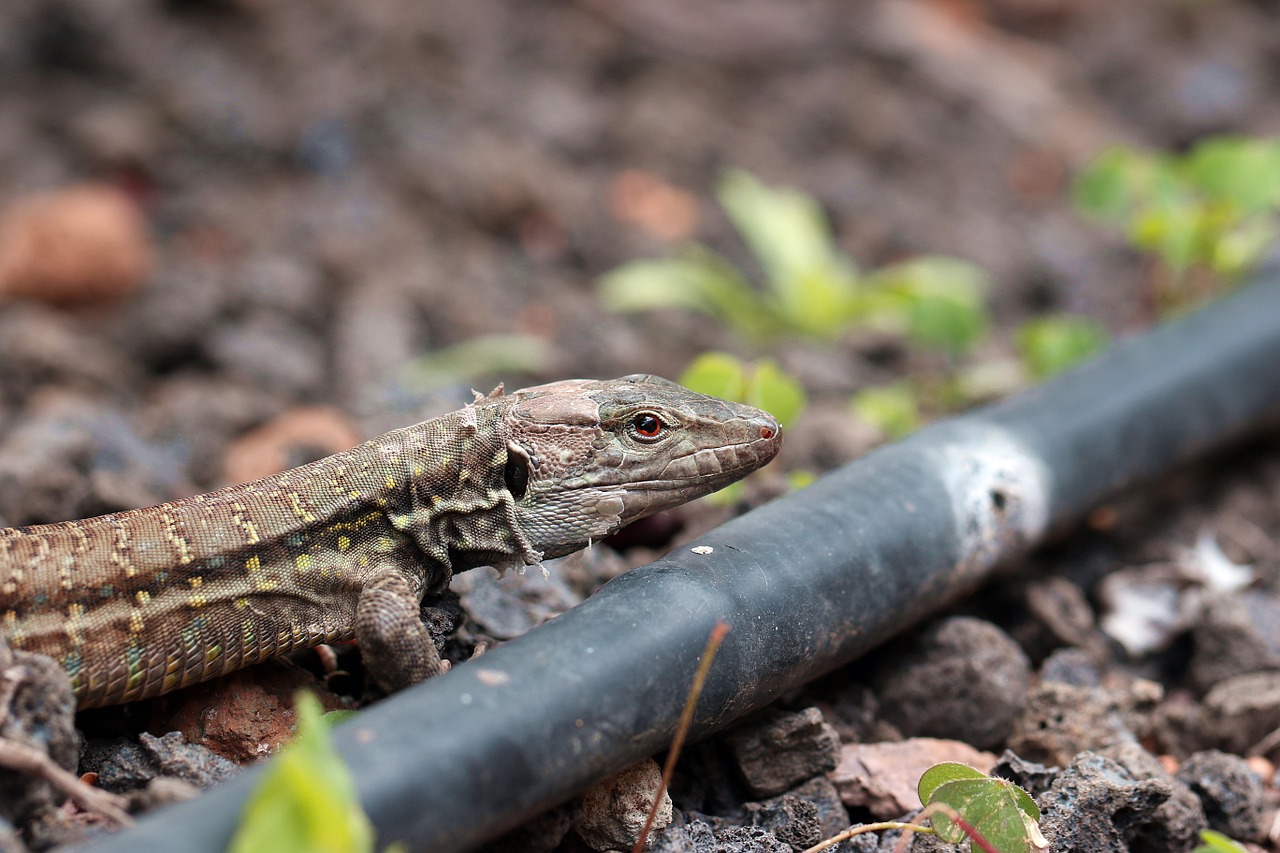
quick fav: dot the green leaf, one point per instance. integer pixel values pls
(784, 228)
(1239, 169)
(332, 718)
(1050, 345)
(940, 774)
(306, 800)
(1116, 182)
(1216, 842)
(942, 300)
(717, 374)
(801, 478)
(700, 280)
(776, 392)
(1002, 812)
(892, 409)
(812, 286)
(761, 384)
(1242, 247)
(1173, 231)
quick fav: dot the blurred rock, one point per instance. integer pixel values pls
(961, 679)
(1062, 720)
(1229, 791)
(1241, 711)
(1236, 634)
(294, 438)
(81, 244)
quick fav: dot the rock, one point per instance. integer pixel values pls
(1071, 666)
(1061, 720)
(962, 679)
(790, 819)
(882, 777)
(1236, 634)
(614, 811)
(124, 766)
(832, 816)
(298, 436)
(1178, 725)
(854, 711)
(162, 791)
(735, 839)
(1095, 805)
(775, 750)
(1176, 823)
(79, 244)
(1033, 778)
(70, 456)
(539, 835)
(244, 715)
(1062, 616)
(1230, 793)
(506, 606)
(1242, 710)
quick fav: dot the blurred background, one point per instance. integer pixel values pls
(237, 234)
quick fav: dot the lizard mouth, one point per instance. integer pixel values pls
(708, 470)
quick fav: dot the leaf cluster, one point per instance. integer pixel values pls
(810, 289)
(1213, 207)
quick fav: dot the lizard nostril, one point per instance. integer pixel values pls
(766, 432)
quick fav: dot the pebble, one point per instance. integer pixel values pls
(614, 811)
(776, 750)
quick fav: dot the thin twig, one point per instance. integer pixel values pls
(26, 759)
(868, 827)
(1266, 745)
(682, 728)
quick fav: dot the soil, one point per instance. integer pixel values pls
(231, 229)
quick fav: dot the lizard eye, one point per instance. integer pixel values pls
(647, 425)
(516, 475)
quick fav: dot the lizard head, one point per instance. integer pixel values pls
(585, 457)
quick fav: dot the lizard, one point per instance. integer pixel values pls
(137, 603)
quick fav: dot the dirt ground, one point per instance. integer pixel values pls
(289, 203)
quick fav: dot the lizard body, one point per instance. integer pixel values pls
(137, 603)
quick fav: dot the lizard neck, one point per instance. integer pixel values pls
(456, 506)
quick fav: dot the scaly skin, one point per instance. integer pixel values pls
(138, 603)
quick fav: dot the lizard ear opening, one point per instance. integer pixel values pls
(516, 474)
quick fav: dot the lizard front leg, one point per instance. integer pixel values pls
(395, 644)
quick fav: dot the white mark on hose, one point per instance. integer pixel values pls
(999, 493)
(702, 550)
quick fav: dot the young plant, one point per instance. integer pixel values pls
(995, 815)
(892, 409)
(761, 384)
(1209, 215)
(978, 805)
(810, 289)
(1053, 344)
(307, 799)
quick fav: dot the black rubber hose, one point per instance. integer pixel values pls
(806, 583)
